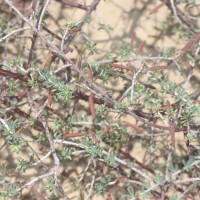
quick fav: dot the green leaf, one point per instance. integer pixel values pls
(66, 153)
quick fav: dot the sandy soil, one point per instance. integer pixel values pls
(128, 19)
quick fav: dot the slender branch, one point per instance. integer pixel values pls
(14, 32)
(134, 113)
(42, 14)
(186, 180)
(74, 4)
(52, 147)
(35, 180)
(106, 153)
(93, 179)
(90, 9)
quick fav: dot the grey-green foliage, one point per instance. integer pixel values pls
(92, 47)
(179, 94)
(102, 72)
(71, 23)
(100, 186)
(91, 148)
(14, 140)
(50, 185)
(66, 153)
(7, 189)
(62, 90)
(105, 27)
(124, 49)
(118, 135)
(22, 165)
(131, 192)
(111, 159)
(146, 103)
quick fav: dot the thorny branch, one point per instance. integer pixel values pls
(99, 96)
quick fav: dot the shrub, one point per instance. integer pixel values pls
(75, 117)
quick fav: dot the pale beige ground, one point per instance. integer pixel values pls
(126, 17)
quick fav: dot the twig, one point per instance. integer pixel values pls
(186, 191)
(84, 172)
(134, 81)
(41, 159)
(167, 179)
(93, 179)
(186, 180)
(175, 12)
(90, 9)
(35, 180)
(52, 147)
(14, 32)
(106, 153)
(42, 14)
(75, 4)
